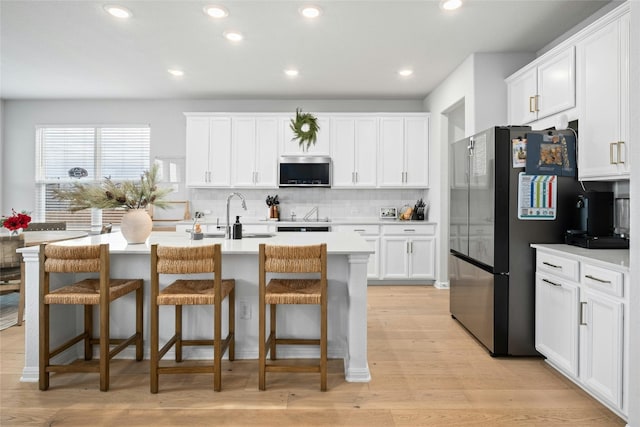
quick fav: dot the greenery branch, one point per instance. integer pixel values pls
(305, 129)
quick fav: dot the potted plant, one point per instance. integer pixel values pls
(134, 196)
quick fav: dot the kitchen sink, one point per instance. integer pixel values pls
(244, 235)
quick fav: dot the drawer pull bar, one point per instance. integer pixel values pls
(359, 230)
(410, 229)
(550, 282)
(552, 265)
(588, 276)
(582, 321)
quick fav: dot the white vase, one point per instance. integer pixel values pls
(136, 226)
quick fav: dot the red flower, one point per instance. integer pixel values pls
(16, 220)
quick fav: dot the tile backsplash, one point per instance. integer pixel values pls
(331, 203)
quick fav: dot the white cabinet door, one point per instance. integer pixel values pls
(601, 349)
(603, 102)
(556, 83)
(343, 152)
(266, 160)
(416, 146)
(366, 146)
(391, 171)
(422, 258)
(220, 151)
(373, 269)
(556, 335)
(244, 151)
(395, 257)
(197, 151)
(521, 97)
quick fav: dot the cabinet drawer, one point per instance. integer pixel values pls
(557, 265)
(601, 279)
(409, 229)
(362, 229)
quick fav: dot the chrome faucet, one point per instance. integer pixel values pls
(227, 230)
(311, 212)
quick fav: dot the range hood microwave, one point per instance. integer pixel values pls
(304, 171)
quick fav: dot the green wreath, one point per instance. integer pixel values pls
(305, 129)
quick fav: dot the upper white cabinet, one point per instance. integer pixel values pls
(404, 151)
(354, 144)
(603, 99)
(545, 87)
(255, 151)
(208, 153)
(322, 147)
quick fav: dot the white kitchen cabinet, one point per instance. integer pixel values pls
(556, 335)
(208, 151)
(545, 87)
(288, 147)
(408, 251)
(603, 99)
(255, 152)
(404, 151)
(371, 235)
(580, 319)
(354, 143)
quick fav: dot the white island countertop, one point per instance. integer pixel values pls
(337, 243)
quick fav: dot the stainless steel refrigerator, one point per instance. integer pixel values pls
(491, 265)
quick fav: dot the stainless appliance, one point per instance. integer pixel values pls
(491, 264)
(596, 213)
(303, 228)
(304, 171)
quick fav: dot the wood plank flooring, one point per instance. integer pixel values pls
(426, 371)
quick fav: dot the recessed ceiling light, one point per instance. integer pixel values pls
(216, 11)
(450, 4)
(117, 11)
(405, 72)
(175, 72)
(291, 72)
(233, 36)
(310, 11)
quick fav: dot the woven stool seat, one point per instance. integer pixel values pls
(87, 291)
(293, 291)
(92, 292)
(281, 260)
(187, 291)
(193, 292)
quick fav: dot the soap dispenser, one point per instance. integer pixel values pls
(237, 229)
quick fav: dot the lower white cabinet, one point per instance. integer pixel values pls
(581, 327)
(408, 251)
(371, 234)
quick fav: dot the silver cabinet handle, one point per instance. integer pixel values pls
(551, 283)
(611, 161)
(359, 230)
(552, 265)
(411, 246)
(409, 230)
(356, 177)
(582, 321)
(620, 156)
(532, 107)
(588, 276)
(408, 248)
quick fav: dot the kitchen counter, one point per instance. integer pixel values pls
(347, 259)
(617, 259)
(300, 222)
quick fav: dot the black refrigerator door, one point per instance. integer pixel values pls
(459, 196)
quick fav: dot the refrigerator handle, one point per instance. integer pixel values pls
(471, 146)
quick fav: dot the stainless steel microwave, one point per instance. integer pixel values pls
(304, 171)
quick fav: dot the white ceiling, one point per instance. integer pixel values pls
(73, 49)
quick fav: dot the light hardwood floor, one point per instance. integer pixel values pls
(426, 370)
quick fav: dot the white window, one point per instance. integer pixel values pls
(65, 155)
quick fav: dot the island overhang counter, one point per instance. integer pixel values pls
(347, 257)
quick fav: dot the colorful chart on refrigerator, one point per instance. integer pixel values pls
(537, 197)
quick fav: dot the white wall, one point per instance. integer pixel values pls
(1, 153)
(479, 83)
(165, 117)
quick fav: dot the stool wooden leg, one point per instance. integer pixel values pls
(178, 330)
(232, 324)
(44, 346)
(323, 347)
(88, 332)
(139, 323)
(217, 346)
(153, 362)
(262, 345)
(104, 344)
(272, 327)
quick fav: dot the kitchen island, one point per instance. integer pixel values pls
(347, 259)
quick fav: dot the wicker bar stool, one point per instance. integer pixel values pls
(190, 260)
(89, 293)
(291, 259)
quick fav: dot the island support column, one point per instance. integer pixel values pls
(356, 367)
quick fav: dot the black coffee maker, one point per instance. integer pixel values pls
(595, 213)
